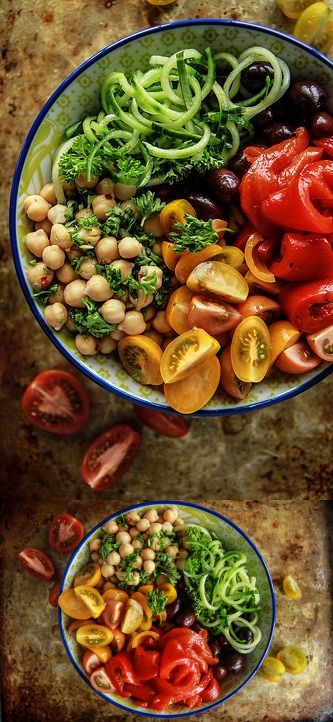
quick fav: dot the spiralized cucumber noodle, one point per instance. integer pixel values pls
(177, 116)
(225, 597)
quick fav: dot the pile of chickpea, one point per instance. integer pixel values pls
(151, 523)
(51, 243)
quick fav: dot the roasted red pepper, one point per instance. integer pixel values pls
(146, 663)
(121, 672)
(309, 306)
(303, 257)
(326, 144)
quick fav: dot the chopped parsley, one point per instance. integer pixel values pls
(148, 204)
(44, 295)
(194, 235)
(108, 545)
(89, 321)
(157, 601)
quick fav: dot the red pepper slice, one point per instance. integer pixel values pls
(189, 640)
(143, 692)
(161, 701)
(146, 663)
(211, 692)
(120, 670)
(303, 258)
(326, 144)
(309, 306)
(309, 155)
(243, 235)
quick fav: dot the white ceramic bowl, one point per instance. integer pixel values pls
(233, 538)
(76, 96)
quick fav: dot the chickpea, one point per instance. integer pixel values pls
(82, 181)
(95, 545)
(111, 527)
(170, 514)
(48, 192)
(70, 325)
(155, 545)
(138, 563)
(152, 225)
(123, 537)
(87, 345)
(74, 253)
(124, 191)
(56, 315)
(125, 550)
(105, 185)
(56, 214)
(66, 273)
(53, 257)
(161, 579)
(151, 515)
(129, 247)
(36, 207)
(106, 249)
(133, 323)
(36, 242)
(147, 554)
(87, 268)
(101, 204)
(108, 585)
(94, 557)
(89, 236)
(167, 526)
(132, 519)
(155, 528)
(173, 551)
(142, 300)
(135, 580)
(107, 344)
(74, 292)
(157, 248)
(142, 525)
(133, 532)
(107, 570)
(178, 522)
(183, 553)
(180, 564)
(113, 311)
(40, 277)
(98, 288)
(149, 566)
(120, 575)
(44, 225)
(84, 213)
(125, 268)
(157, 337)
(137, 543)
(113, 558)
(160, 323)
(117, 335)
(60, 236)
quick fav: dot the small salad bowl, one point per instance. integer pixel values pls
(232, 538)
(74, 99)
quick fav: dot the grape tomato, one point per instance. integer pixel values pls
(56, 401)
(65, 533)
(110, 456)
(36, 563)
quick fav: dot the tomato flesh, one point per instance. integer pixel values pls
(99, 680)
(54, 593)
(293, 659)
(161, 422)
(110, 456)
(36, 563)
(322, 343)
(297, 359)
(65, 533)
(272, 669)
(193, 392)
(213, 316)
(185, 353)
(90, 661)
(229, 381)
(250, 349)
(57, 402)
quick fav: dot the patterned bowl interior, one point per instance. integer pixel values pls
(78, 96)
(233, 538)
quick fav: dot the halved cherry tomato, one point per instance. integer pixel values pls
(315, 26)
(133, 617)
(142, 599)
(272, 669)
(169, 591)
(232, 255)
(193, 392)
(89, 575)
(293, 8)
(229, 381)
(212, 315)
(268, 309)
(141, 356)
(297, 359)
(94, 635)
(119, 640)
(100, 680)
(72, 605)
(220, 279)
(54, 593)
(103, 652)
(189, 261)
(291, 588)
(177, 309)
(254, 262)
(92, 599)
(77, 623)
(109, 456)
(56, 401)
(146, 588)
(185, 353)
(250, 349)
(257, 286)
(283, 334)
(146, 638)
(65, 533)
(36, 563)
(293, 659)
(173, 212)
(170, 255)
(119, 595)
(112, 614)
(322, 343)
(162, 423)
(90, 661)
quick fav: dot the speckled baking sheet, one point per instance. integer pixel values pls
(40, 683)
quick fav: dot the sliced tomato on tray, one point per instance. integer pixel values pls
(36, 563)
(65, 533)
(54, 593)
(161, 422)
(109, 456)
(56, 401)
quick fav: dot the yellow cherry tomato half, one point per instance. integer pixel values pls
(250, 349)
(231, 255)
(193, 392)
(173, 212)
(169, 591)
(293, 659)
(178, 308)
(253, 260)
(146, 588)
(188, 261)
(142, 599)
(103, 653)
(94, 635)
(268, 309)
(88, 576)
(257, 286)
(118, 595)
(283, 334)
(291, 588)
(315, 26)
(293, 8)
(141, 357)
(133, 617)
(272, 669)
(220, 279)
(72, 605)
(185, 353)
(170, 255)
(92, 599)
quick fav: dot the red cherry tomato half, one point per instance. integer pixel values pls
(54, 593)
(162, 423)
(229, 381)
(65, 533)
(297, 359)
(100, 681)
(36, 563)
(57, 402)
(322, 343)
(90, 661)
(109, 456)
(213, 316)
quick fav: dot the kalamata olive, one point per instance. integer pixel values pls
(197, 627)
(181, 587)
(254, 76)
(224, 184)
(234, 662)
(277, 132)
(245, 634)
(185, 618)
(173, 608)
(307, 96)
(204, 206)
(238, 164)
(223, 641)
(321, 124)
(263, 119)
(219, 671)
(215, 648)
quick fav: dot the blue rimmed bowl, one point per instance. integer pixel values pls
(77, 96)
(232, 537)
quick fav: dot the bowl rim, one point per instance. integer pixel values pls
(36, 310)
(191, 505)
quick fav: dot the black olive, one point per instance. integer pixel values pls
(254, 76)
(204, 206)
(321, 124)
(307, 96)
(197, 627)
(234, 662)
(277, 132)
(219, 671)
(224, 184)
(263, 119)
(185, 618)
(215, 648)
(245, 634)
(239, 164)
(173, 608)
(223, 641)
